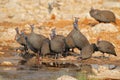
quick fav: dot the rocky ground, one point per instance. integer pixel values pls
(17, 13)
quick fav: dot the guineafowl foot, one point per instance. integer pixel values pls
(103, 57)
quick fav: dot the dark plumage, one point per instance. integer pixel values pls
(79, 39)
(69, 41)
(106, 47)
(87, 52)
(34, 41)
(105, 16)
(45, 49)
(75, 38)
(19, 37)
(57, 43)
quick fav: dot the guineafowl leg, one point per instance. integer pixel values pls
(38, 56)
(66, 53)
(60, 55)
(103, 56)
(109, 57)
(56, 56)
(42, 55)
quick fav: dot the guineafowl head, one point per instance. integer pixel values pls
(17, 30)
(17, 36)
(94, 47)
(76, 19)
(99, 39)
(32, 27)
(53, 33)
(93, 12)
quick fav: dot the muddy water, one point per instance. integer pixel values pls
(84, 71)
(10, 73)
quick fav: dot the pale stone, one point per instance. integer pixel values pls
(1, 53)
(118, 37)
(9, 34)
(102, 27)
(66, 77)
(6, 63)
(26, 10)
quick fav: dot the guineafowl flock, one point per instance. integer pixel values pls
(59, 45)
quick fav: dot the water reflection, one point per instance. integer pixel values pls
(52, 73)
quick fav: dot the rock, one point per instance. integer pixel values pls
(6, 63)
(104, 27)
(118, 37)
(1, 53)
(19, 11)
(8, 32)
(66, 77)
(104, 71)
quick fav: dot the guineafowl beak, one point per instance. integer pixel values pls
(76, 20)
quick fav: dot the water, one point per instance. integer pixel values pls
(41, 74)
(52, 73)
(48, 72)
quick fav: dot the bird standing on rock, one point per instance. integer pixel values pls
(104, 16)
